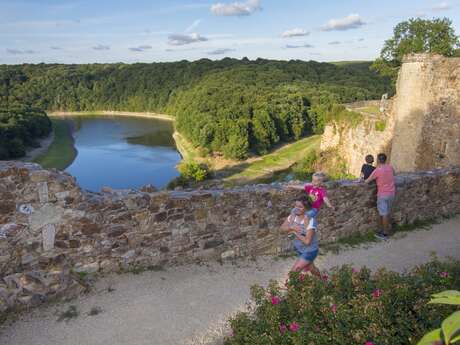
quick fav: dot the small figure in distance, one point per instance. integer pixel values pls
(302, 230)
(384, 175)
(368, 168)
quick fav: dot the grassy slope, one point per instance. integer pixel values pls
(61, 152)
(278, 160)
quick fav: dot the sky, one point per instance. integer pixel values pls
(87, 31)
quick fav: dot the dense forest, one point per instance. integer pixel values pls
(231, 106)
(20, 127)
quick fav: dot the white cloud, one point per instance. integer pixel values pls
(334, 43)
(193, 26)
(140, 48)
(55, 48)
(297, 32)
(236, 8)
(443, 6)
(306, 45)
(221, 51)
(352, 21)
(19, 51)
(101, 47)
(182, 39)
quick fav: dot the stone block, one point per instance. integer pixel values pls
(48, 236)
(42, 188)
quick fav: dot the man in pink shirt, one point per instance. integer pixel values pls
(385, 179)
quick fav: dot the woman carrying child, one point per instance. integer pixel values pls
(303, 231)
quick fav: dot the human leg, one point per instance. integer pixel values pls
(384, 205)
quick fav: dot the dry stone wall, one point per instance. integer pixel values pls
(52, 232)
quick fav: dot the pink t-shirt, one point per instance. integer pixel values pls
(316, 194)
(384, 176)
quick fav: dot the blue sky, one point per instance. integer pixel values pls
(85, 31)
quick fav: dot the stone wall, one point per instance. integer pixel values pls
(422, 126)
(52, 232)
(427, 113)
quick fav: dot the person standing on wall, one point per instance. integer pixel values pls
(384, 176)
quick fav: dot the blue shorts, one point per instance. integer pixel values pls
(384, 204)
(312, 213)
(308, 256)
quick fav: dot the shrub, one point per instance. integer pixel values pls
(304, 169)
(193, 171)
(349, 307)
(449, 333)
(380, 125)
(190, 173)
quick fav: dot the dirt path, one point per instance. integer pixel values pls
(189, 305)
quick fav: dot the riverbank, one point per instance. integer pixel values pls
(61, 152)
(114, 113)
(231, 172)
(44, 143)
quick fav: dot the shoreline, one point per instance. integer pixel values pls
(185, 153)
(115, 113)
(33, 153)
(63, 145)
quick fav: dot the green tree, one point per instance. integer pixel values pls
(416, 36)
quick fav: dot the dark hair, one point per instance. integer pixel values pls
(306, 202)
(382, 158)
(369, 159)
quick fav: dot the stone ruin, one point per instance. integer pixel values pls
(53, 233)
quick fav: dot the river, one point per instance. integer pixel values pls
(123, 151)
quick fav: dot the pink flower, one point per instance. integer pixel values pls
(444, 274)
(325, 277)
(302, 277)
(377, 293)
(275, 300)
(294, 327)
(369, 343)
(354, 270)
(334, 308)
(283, 328)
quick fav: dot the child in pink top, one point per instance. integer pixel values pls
(317, 194)
(386, 190)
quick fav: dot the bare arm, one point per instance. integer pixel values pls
(371, 178)
(306, 239)
(296, 186)
(328, 203)
(285, 228)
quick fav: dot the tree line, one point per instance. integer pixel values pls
(236, 107)
(20, 127)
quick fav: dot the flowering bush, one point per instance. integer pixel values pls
(350, 307)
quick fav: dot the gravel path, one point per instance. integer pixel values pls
(189, 305)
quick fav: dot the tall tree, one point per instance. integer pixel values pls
(416, 36)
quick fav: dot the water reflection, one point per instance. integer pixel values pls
(123, 152)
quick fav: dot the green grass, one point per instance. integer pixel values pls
(61, 152)
(380, 125)
(278, 160)
(185, 148)
(374, 110)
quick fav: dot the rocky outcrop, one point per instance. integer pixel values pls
(52, 233)
(421, 129)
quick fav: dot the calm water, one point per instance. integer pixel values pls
(123, 152)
